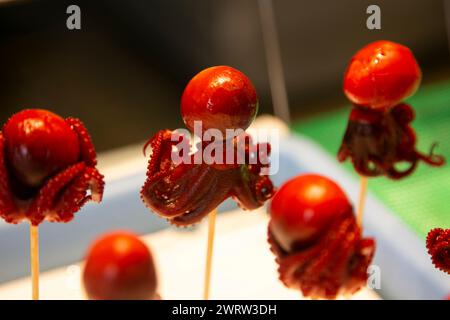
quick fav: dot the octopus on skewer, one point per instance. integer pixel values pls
(217, 99)
(47, 168)
(317, 242)
(379, 135)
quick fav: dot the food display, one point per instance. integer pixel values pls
(119, 266)
(238, 147)
(316, 240)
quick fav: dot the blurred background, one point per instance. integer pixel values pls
(123, 73)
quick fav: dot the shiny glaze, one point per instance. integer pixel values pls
(221, 97)
(303, 208)
(381, 75)
(316, 240)
(26, 132)
(47, 167)
(185, 193)
(379, 135)
(119, 266)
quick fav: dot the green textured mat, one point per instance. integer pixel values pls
(421, 200)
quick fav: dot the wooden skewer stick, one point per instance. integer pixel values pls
(209, 252)
(34, 260)
(362, 200)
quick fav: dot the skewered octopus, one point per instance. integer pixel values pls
(438, 245)
(316, 240)
(47, 167)
(379, 135)
(220, 98)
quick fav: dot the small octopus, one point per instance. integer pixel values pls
(379, 136)
(184, 191)
(47, 168)
(317, 242)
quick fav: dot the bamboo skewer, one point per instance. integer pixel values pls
(34, 261)
(362, 200)
(209, 253)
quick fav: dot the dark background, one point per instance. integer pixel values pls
(123, 73)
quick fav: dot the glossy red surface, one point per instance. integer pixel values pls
(381, 75)
(38, 144)
(47, 168)
(221, 97)
(438, 245)
(303, 208)
(119, 266)
(318, 245)
(185, 193)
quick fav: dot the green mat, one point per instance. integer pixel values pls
(421, 200)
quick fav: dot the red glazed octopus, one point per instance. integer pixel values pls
(316, 240)
(438, 245)
(220, 98)
(47, 168)
(379, 134)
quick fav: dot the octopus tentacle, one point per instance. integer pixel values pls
(161, 147)
(173, 190)
(438, 245)
(363, 255)
(254, 188)
(403, 113)
(177, 192)
(326, 266)
(75, 195)
(394, 173)
(88, 154)
(210, 200)
(64, 194)
(335, 264)
(383, 138)
(96, 184)
(431, 159)
(251, 192)
(185, 193)
(43, 205)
